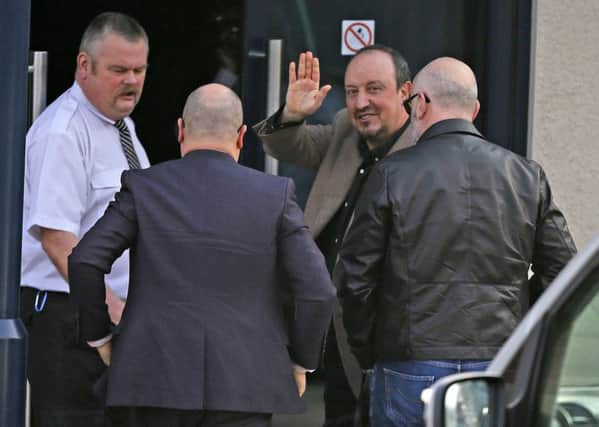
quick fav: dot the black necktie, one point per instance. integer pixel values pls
(127, 145)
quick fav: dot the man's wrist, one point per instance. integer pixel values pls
(287, 117)
(274, 123)
(301, 370)
(100, 342)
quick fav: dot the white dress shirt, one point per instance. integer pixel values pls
(73, 165)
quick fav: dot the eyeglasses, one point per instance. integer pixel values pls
(407, 103)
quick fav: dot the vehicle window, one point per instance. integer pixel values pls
(516, 376)
(570, 387)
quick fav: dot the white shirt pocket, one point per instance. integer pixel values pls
(104, 185)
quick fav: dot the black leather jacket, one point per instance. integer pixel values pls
(435, 264)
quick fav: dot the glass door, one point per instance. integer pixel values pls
(493, 36)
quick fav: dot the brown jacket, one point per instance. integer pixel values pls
(331, 151)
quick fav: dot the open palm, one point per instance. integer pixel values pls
(304, 94)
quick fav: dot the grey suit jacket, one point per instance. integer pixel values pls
(332, 151)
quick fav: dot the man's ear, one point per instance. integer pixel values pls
(239, 142)
(405, 90)
(476, 110)
(421, 106)
(84, 65)
(180, 130)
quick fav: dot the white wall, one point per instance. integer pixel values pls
(565, 121)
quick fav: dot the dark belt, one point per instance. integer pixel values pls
(39, 298)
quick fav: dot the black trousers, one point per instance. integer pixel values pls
(61, 368)
(339, 400)
(163, 417)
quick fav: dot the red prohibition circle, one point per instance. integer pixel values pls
(351, 30)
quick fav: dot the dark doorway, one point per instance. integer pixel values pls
(191, 43)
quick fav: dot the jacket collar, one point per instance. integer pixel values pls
(209, 154)
(450, 126)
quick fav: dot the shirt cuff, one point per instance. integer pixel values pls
(100, 342)
(36, 222)
(274, 122)
(301, 370)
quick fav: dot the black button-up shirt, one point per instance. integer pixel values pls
(330, 239)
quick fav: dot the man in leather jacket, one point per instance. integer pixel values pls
(433, 273)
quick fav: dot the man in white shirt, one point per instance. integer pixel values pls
(75, 153)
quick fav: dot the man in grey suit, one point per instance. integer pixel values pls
(377, 81)
(203, 340)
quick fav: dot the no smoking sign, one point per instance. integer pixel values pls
(355, 35)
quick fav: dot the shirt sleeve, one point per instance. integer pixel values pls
(58, 183)
(300, 369)
(100, 342)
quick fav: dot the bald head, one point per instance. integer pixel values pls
(213, 111)
(212, 120)
(450, 83)
(444, 89)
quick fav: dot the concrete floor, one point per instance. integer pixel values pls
(314, 415)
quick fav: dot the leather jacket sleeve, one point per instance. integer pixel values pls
(359, 271)
(554, 245)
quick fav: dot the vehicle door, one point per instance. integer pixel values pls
(547, 373)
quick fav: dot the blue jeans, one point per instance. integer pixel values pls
(395, 388)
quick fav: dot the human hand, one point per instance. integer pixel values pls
(304, 94)
(115, 306)
(105, 352)
(300, 381)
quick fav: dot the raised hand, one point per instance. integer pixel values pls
(304, 94)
